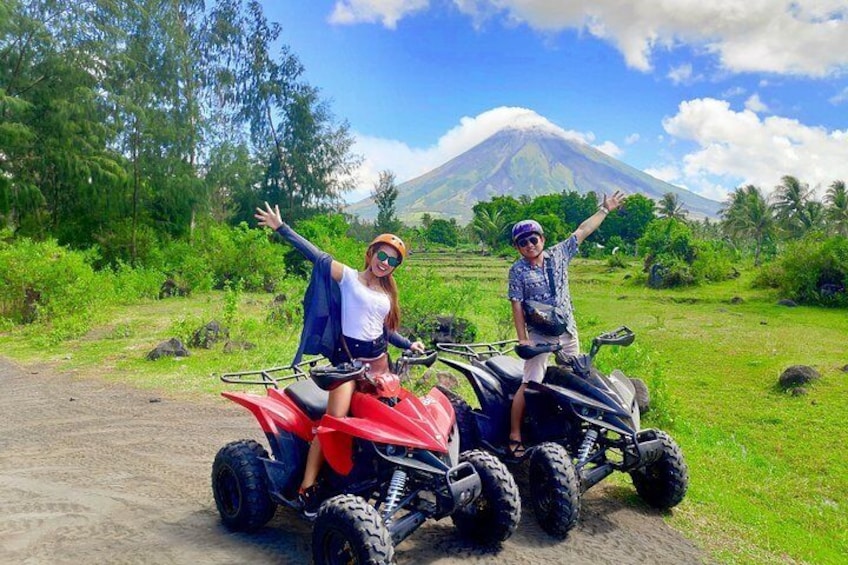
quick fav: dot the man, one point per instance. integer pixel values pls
(540, 279)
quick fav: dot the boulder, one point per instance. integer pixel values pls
(208, 335)
(171, 348)
(233, 346)
(787, 302)
(797, 375)
(656, 276)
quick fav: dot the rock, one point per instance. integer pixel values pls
(171, 348)
(829, 290)
(787, 302)
(845, 369)
(737, 300)
(208, 335)
(797, 375)
(444, 329)
(656, 276)
(233, 346)
(171, 288)
(798, 391)
(763, 323)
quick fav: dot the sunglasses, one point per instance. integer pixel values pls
(525, 241)
(392, 261)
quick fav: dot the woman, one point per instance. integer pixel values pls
(365, 321)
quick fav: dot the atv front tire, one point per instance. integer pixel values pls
(494, 515)
(468, 436)
(554, 489)
(240, 486)
(664, 483)
(349, 530)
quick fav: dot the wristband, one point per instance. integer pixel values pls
(603, 209)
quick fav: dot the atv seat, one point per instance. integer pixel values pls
(308, 397)
(508, 369)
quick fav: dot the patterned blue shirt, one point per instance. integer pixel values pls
(527, 282)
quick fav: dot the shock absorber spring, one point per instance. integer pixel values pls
(586, 446)
(394, 494)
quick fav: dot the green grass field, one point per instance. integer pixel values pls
(767, 484)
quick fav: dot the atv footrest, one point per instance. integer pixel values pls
(463, 483)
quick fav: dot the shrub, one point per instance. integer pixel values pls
(45, 281)
(674, 257)
(240, 253)
(814, 272)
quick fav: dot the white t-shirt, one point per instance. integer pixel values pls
(364, 310)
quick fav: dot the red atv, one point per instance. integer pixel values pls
(392, 464)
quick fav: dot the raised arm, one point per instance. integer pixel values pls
(591, 223)
(271, 218)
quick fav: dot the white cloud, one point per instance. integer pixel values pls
(840, 97)
(389, 12)
(632, 138)
(407, 162)
(681, 74)
(609, 148)
(754, 104)
(737, 148)
(803, 37)
(733, 92)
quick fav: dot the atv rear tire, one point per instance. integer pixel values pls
(240, 486)
(349, 530)
(554, 489)
(643, 397)
(663, 484)
(468, 436)
(494, 515)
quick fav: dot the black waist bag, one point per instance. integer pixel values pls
(545, 318)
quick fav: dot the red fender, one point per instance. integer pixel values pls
(275, 412)
(420, 423)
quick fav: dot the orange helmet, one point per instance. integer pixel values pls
(391, 240)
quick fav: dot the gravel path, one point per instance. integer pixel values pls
(97, 472)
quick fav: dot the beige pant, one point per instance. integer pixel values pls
(534, 368)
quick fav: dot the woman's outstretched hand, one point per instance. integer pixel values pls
(269, 217)
(417, 347)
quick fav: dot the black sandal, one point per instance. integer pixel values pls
(516, 448)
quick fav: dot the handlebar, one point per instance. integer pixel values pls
(329, 377)
(426, 359)
(530, 351)
(623, 336)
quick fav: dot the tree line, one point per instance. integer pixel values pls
(124, 120)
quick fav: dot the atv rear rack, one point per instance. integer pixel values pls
(480, 351)
(266, 377)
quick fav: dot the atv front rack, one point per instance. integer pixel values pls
(480, 351)
(277, 377)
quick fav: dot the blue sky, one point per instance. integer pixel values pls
(705, 95)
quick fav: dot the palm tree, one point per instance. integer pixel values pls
(837, 207)
(747, 215)
(790, 205)
(489, 226)
(670, 206)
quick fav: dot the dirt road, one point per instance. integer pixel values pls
(94, 472)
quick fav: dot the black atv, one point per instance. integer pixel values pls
(579, 427)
